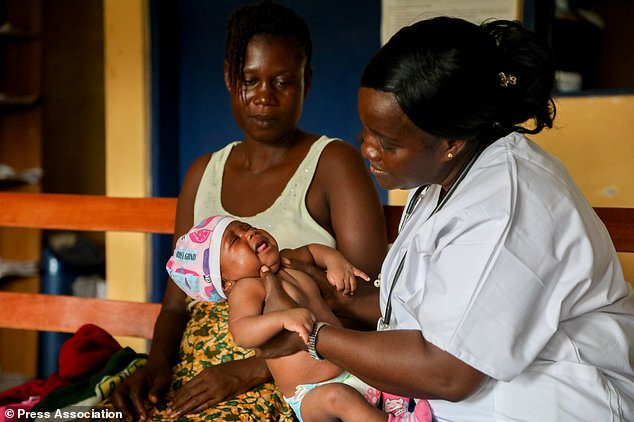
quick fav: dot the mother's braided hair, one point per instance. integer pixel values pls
(263, 18)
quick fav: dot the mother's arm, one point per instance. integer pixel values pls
(152, 381)
(354, 212)
(219, 382)
(355, 216)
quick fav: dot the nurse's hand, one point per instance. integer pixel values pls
(284, 344)
(360, 311)
(328, 291)
(287, 342)
(276, 298)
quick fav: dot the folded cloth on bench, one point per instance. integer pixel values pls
(90, 392)
(85, 353)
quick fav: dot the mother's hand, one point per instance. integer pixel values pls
(147, 383)
(210, 387)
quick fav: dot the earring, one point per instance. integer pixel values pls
(450, 155)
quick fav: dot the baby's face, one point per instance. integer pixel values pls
(244, 250)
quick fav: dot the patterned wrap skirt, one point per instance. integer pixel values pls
(206, 342)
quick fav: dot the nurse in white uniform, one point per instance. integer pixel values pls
(502, 298)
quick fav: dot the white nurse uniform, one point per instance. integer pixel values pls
(517, 276)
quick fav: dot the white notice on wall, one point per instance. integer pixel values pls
(399, 13)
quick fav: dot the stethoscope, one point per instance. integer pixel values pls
(419, 194)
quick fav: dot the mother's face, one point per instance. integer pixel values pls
(401, 155)
(268, 101)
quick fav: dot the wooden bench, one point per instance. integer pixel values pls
(146, 215)
(85, 213)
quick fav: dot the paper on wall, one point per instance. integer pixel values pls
(398, 13)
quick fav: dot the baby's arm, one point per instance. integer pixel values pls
(250, 328)
(340, 272)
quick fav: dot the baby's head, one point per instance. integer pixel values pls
(218, 252)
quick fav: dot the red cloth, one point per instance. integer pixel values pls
(87, 351)
(81, 356)
(32, 388)
(10, 412)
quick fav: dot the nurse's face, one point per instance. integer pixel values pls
(401, 155)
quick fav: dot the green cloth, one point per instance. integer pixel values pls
(98, 387)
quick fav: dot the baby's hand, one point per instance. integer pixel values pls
(344, 277)
(300, 321)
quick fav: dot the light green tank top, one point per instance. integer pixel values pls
(288, 219)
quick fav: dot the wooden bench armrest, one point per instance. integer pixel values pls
(146, 215)
(67, 313)
(87, 212)
(620, 225)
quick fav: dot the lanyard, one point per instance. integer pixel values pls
(384, 322)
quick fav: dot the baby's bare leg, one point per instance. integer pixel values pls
(331, 402)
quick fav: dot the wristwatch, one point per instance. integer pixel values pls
(312, 340)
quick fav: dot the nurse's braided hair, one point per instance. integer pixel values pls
(459, 80)
(265, 17)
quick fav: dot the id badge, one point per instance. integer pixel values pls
(381, 325)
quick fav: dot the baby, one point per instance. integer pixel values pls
(221, 258)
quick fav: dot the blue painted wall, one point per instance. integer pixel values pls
(190, 105)
(345, 35)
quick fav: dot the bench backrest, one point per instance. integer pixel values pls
(146, 215)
